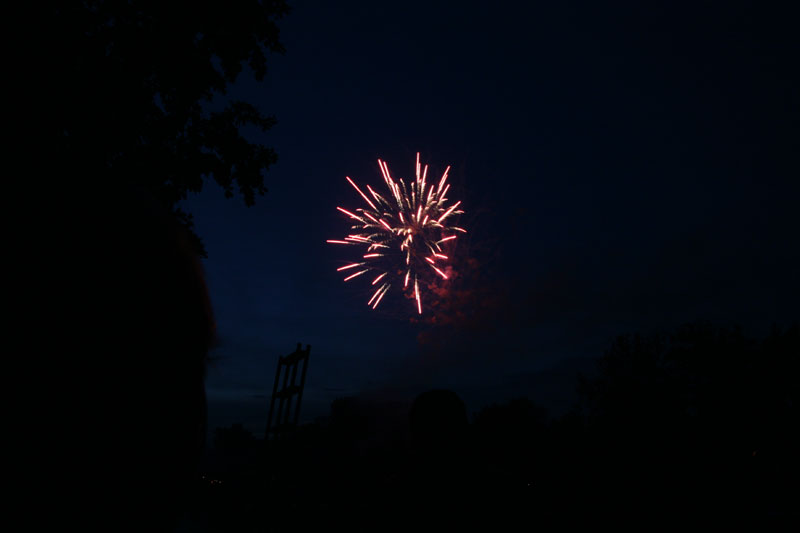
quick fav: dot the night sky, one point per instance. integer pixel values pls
(623, 167)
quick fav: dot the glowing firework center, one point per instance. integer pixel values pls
(403, 235)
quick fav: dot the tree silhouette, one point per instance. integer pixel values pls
(134, 82)
(702, 417)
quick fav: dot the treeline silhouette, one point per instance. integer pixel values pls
(701, 422)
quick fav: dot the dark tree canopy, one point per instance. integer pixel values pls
(711, 379)
(131, 83)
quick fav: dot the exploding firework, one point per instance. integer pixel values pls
(405, 235)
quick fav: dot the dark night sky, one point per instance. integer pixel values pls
(623, 167)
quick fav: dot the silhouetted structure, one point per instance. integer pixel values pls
(289, 390)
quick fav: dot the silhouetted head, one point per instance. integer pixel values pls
(438, 420)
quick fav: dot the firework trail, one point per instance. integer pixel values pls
(404, 234)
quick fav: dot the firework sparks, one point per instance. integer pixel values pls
(408, 227)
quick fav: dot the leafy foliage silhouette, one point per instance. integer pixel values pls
(135, 83)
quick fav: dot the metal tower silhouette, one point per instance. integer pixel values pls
(290, 393)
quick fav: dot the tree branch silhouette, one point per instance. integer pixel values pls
(134, 80)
